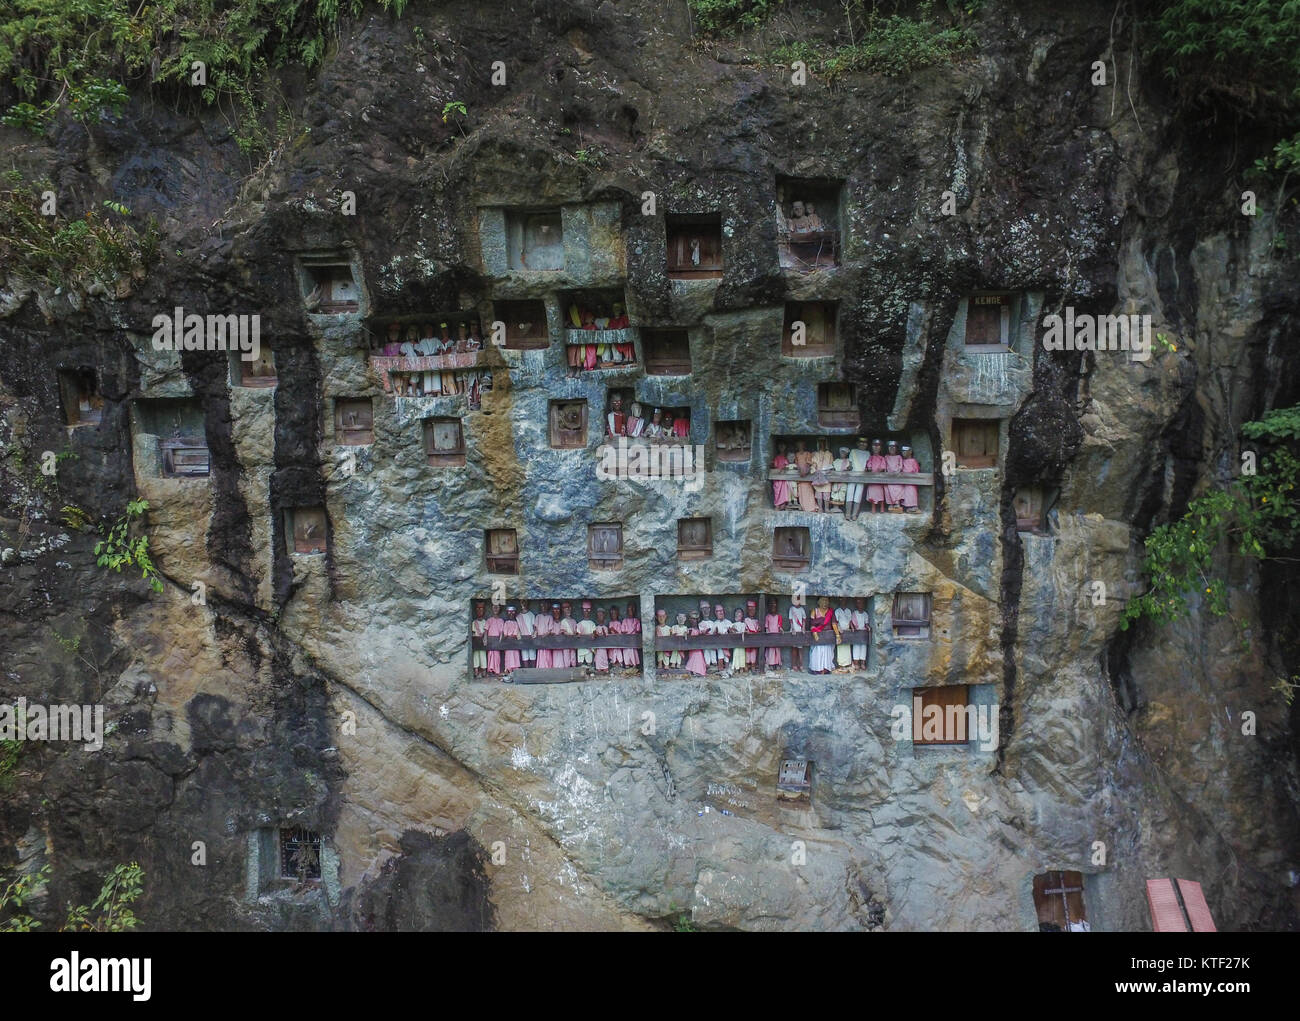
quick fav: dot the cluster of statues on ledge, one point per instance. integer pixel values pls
(521, 622)
(660, 425)
(437, 382)
(822, 493)
(840, 657)
(603, 350)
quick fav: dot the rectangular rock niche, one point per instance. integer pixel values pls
(694, 538)
(79, 396)
(535, 240)
(1031, 504)
(951, 725)
(837, 405)
(444, 442)
(794, 783)
(732, 442)
(808, 223)
(354, 421)
(329, 284)
(300, 854)
(501, 550)
(555, 640)
(910, 615)
(694, 247)
(174, 429)
(597, 332)
(975, 442)
(306, 529)
(667, 352)
(1058, 902)
(809, 330)
(605, 546)
(523, 322)
(700, 634)
(791, 549)
(568, 425)
(258, 373)
(988, 322)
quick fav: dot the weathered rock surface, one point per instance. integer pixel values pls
(333, 692)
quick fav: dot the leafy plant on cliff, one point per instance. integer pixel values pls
(725, 17)
(110, 911)
(80, 56)
(119, 548)
(1256, 516)
(74, 253)
(893, 45)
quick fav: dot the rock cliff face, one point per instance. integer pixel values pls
(332, 692)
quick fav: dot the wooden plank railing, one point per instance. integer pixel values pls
(760, 640)
(385, 364)
(856, 478)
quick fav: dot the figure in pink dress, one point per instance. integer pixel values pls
(632, 626)
(615, 627)
(894, 463)
(510, 629)
(752, 626)
(601, 654)
(695, 658)
(549, 625)
(772, 624)
(493, 630)
(910, 467)
(876, 463)
(568, 626)
(780, 487)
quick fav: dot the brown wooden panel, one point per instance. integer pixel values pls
(942, 696)
(556, 675)
(565, 642)
(1058, 898)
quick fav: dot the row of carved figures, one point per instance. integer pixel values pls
(521, 622)
(822, 493)
(840, 657)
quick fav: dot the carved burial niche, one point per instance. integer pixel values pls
(809, 329)
(1058, 901)
(260, 372)
(694, 247)
(1030, 503)
(329, 285)
(951, 701)
(354, 421)
(179, 427)
(568, 424)
(837, 406)
(667, 352)
(694, 538)
(791, 548)
(501, 547)
(525, 324)
(732, 441)
(605, 546)
(794, 782)
(988, 321)
(306, 528)
(300, 854)
(444, 442)
(535, 240)
(808, 223)
(975, 442)
(910, 616)
(79, 395)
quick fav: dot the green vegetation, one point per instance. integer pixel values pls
(1256, 516)
(70, 253)
(110, 911)
(118, 549)
(893, 45)
(9, 752)
(80, 56)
